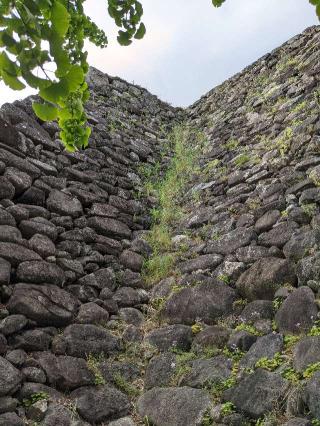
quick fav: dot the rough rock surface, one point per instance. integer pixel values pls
(83, 339)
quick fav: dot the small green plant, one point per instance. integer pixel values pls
(158, 303)
(249, 328)
(232, 144)
(291, 374)
(126, 387)
(241, 160)
(290, 340)
(207, 420)
(93, 365)
(315, 330)
(277, 302)
(270, 364)
(315, 422)
(309, 209)
(235, 355)
(299, 107)
(310, 370)
(157, 267)
(224, 278)
(196, 328)
(241, 303)
(227, 408)
(35, 397)
(284, 141)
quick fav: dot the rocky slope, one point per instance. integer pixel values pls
(229, 331)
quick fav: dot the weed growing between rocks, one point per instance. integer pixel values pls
(186, 145)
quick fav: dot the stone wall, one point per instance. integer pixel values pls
(231, 334)
(69, 242)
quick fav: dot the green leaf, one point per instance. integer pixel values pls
(124, 38)
(318, 9)
(140, 32)
(45, 112)
(60, 18)
(13, 82)
(7, 65)
(74, 78)
(217, 3)
(55, 92)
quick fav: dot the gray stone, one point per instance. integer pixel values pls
(91, 313)
(174, 406)
(302, 244)
(10, 378)
(109, 227)
(16, 253)
(209, 261)
(213, 336)
(100, 403)
(264, 277)
(42, 245)
(306, 352)
(208, 372)
(232, 241)
(205, 302)
(265, 347)
(40, 273)
(266, 222)
(13, 324)
(48, 305)
(64, 204)
(171, 337)
(160, 370)
(10, 419)
(257, 394)
(312, 395)
(298, 312)
(65, 372)
(79, 340)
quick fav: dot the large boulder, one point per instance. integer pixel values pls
(10, 378)
(232, 241)
(109, 227)
(208, 372)
(301, 244)
(16, 253)
(97, 404)
(160, 370)
(174, 406)
(264, 277)
(207, 261)
(298, 312)
(175, 336)
(40, 272)
(311, 395)
(306, 352)
(79, 340)
(64, 204)
(48, 305)
(265, 347)
(207, 302)
(257, 394)
(65, 372)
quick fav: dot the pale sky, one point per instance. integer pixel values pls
(190, 46)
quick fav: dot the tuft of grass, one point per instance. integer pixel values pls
(126, 387)
(186, 145)
(242, 160)
(93, 365)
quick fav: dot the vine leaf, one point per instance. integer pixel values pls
(60, 18)
(45, 112)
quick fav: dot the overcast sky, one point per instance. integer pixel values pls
(190, 47)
